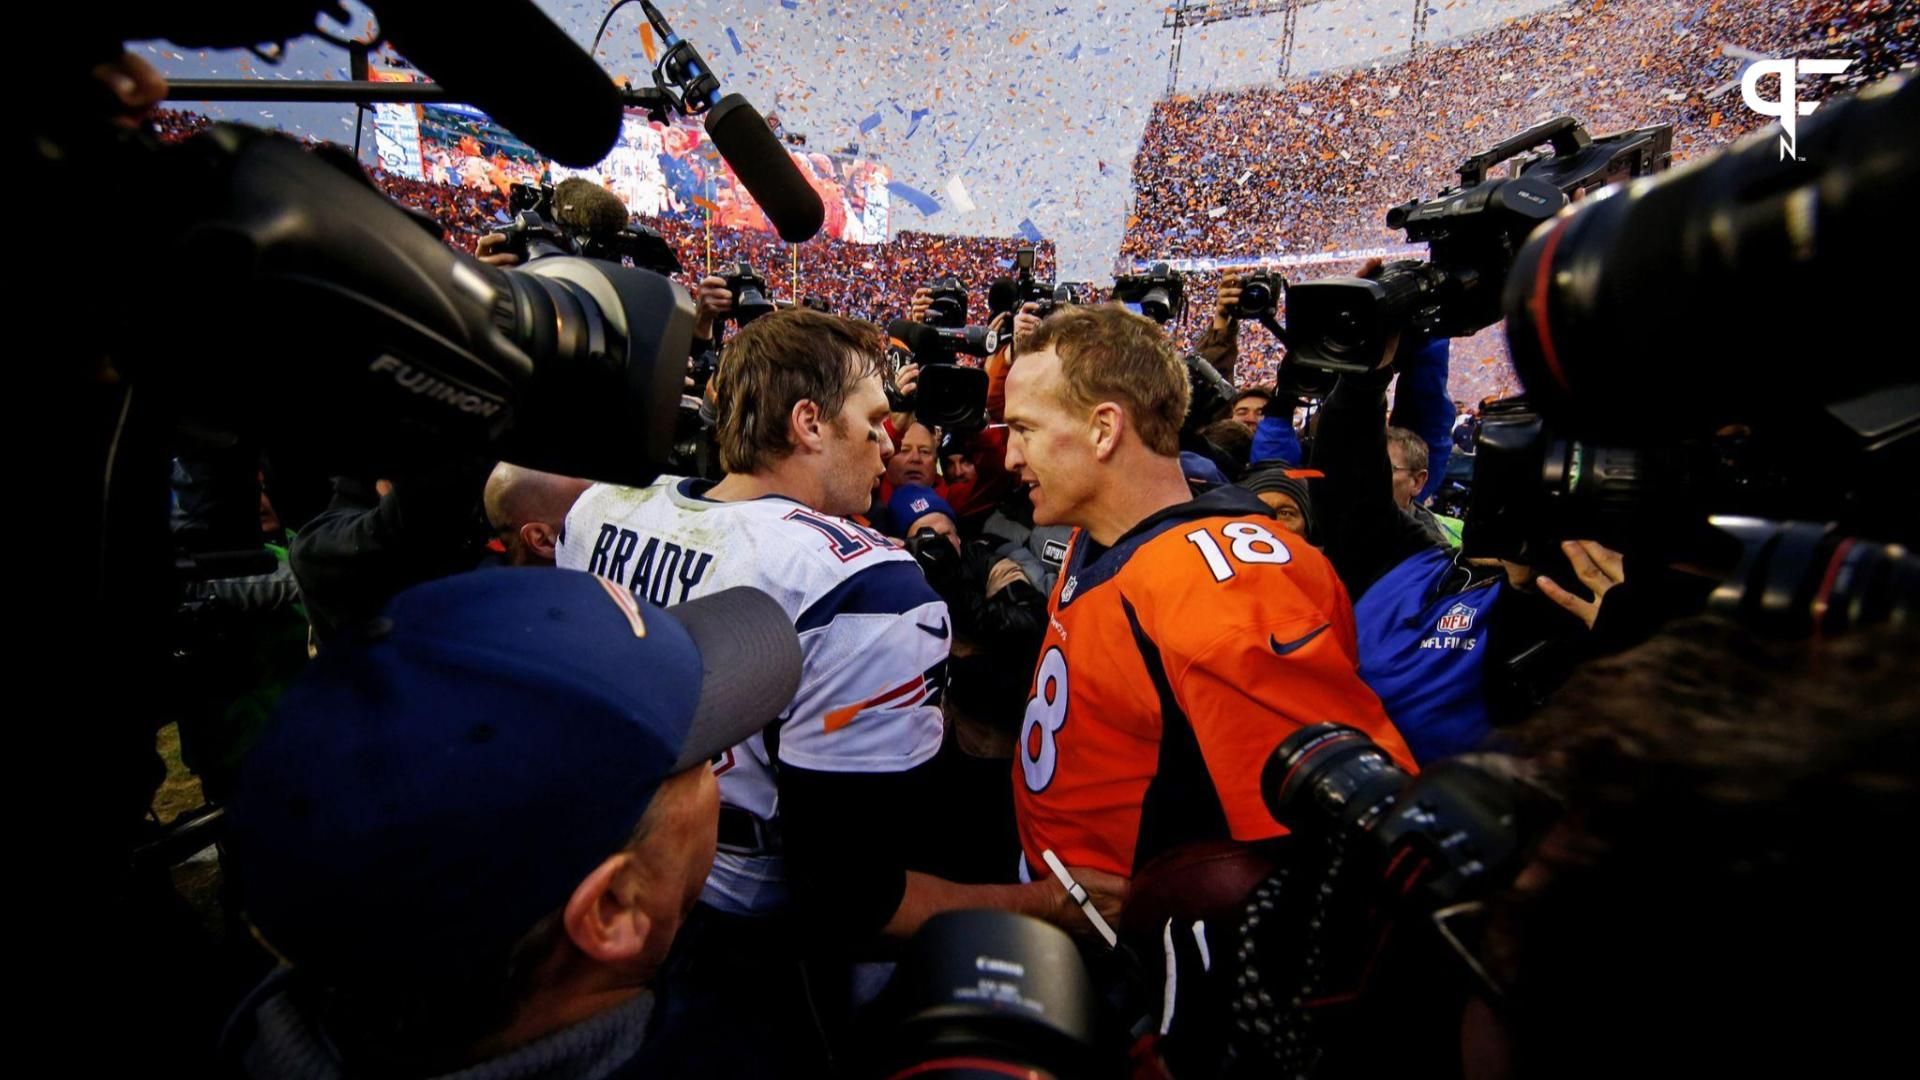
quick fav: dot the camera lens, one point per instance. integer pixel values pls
(594, 335)
(1329, 774)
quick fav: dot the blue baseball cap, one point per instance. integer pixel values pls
(1198, 468)
(911, 502)
(436, 784)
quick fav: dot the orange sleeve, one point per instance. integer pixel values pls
(997, 366)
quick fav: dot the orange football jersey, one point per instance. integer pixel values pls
(1174, 663)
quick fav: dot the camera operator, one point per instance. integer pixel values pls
(480, 869)
(819, 826)
(1170, 712)
(1454, 647)
(528, 510)
(378, 537)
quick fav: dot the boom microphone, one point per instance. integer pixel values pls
(765, 169)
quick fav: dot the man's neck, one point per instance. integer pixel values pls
(744, 487)
(568, 991)
(1145, 486)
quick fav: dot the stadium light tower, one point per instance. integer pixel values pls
(1184, 13)
(1419, 38)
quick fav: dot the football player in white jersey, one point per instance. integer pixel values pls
(819, 817)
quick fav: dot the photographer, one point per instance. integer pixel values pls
(999, 616)
(1219, 345)
(1453, 646)
(377, 538)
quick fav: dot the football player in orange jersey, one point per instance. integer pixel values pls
(1187, 636)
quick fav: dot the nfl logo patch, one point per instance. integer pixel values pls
(920, 506)
(1459, 617)
(1066, 593)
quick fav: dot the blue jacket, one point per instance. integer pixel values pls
(1425, 654)
(1421, 405)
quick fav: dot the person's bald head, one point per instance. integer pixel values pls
(527, 508)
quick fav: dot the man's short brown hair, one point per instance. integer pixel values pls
(1412, 447)
(1107, 353)
(778, 361)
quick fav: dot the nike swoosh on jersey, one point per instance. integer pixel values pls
(941, 632)
(1282, 648)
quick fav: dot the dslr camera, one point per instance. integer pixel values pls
(1260, 293)
(948, 307)
(1159, 294)
(750, 293)
(1048, 295)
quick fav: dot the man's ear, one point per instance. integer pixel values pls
(604, 918)
(539, 538)
(805, 423)
(1104, 427)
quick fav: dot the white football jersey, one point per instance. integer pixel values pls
(873, 637)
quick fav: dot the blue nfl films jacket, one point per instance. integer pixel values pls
(1424, 653)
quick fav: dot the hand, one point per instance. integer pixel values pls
(483, 250)
(135, 84)
(1004, 573)
(907, 380)
(917, 307)
(999, 322)
(714, 302)
(1024, 324)
(1599, 569)
(1229, 299)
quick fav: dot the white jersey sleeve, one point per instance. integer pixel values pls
(875, 651)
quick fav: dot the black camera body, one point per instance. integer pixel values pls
(1160, 294)
(1260, 293)
(535, 233)
(1474, 232)
(751, 297)
(948, 307)
(1047, 295)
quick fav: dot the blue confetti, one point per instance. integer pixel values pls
(1026, 229)
(790, 5)
(736, 41)
(1075, 54)
(869, 123)
(916, 198)
(913, 122)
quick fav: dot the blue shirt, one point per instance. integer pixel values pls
(1424, 653)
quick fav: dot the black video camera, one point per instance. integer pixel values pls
(750, 293)
(1474, 231)
(537, 233)
(1159, 294)
(947, 308)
